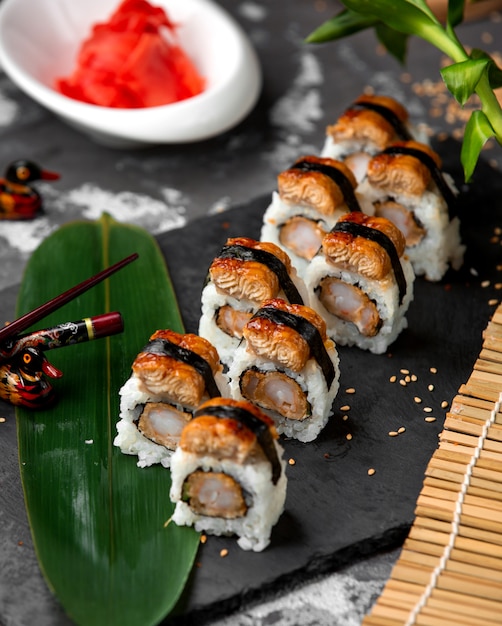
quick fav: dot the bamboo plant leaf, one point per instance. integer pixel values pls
(494, 72)
(345, 23)
(394, 41)
(455, 12)
(477, 132)
(462, 78)
(97, 520)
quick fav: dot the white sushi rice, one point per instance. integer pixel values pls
(212, 300)
(129, 439)
(310, 379)
(277, 214)
(264, 499)
(441, 246)
(384, 293)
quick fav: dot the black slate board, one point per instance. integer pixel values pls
(334, 511)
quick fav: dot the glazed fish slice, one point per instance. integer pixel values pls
(361, 283)
(368, 126)
(406, 185)
(244, 273)
(311, 196)
(228, 474)
(288, 367)
(170, 377)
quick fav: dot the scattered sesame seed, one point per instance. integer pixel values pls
(203, 538)
(350, 390)
(2, 420)
(433, 370)
(498, 286)
(430, 419)
(444, 404)
(417, 399)
(223, 553)
(348, 436)
(430, 387)
(402, 382)
(414, 378)
(393, 433)
(427, 409)
(291, 461)
(401, 429)
(371, 471)
(493, 302)
(485, 283)
(499, 268)
(345, 418)
(89, 441)
(392, 379)
(473, 271)
(403, 371)
(345, 407)
(407, 379)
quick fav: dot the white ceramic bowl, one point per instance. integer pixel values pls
(39, 41)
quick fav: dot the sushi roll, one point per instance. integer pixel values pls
(288, 367)
(228, 474)
(361, 283)
(170, 377)
(405, 184)
(244, 273)
(311, 195)
(368, 126)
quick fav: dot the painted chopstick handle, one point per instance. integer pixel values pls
(25, 321)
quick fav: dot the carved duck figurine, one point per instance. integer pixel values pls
(18, 199)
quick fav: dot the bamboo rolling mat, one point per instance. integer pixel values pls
(449, 572)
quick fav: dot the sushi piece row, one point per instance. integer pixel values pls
(371, 161)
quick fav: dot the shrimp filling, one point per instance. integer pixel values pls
(275, 391)
(403, 218)
(162, 423)
(230, 321)
(302, 236)
(214, 494)
(350, 304)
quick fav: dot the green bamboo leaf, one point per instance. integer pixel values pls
(477, 132)
(394, 41)
(462, 78)
(455, 12)
(494, 72)
(345, 23)
(97, 520)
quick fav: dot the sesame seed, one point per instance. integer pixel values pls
(430, 419)
(407, 379)
(414, 378)
(493, 302)
(393, 433)
(223, 553)
(417, 399)
(350, 390)
(2, 420)
(392, 379)
(430, 387)
(371, 471)
(485, 283)
(498, 286)
(427, 409)
(444, 404)
(345, 407)
(348, 436)
(402, 383)
(401, 429)
(345, 418)
(291, 461)
(403, 371)
(203, 538)
(433, 370)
